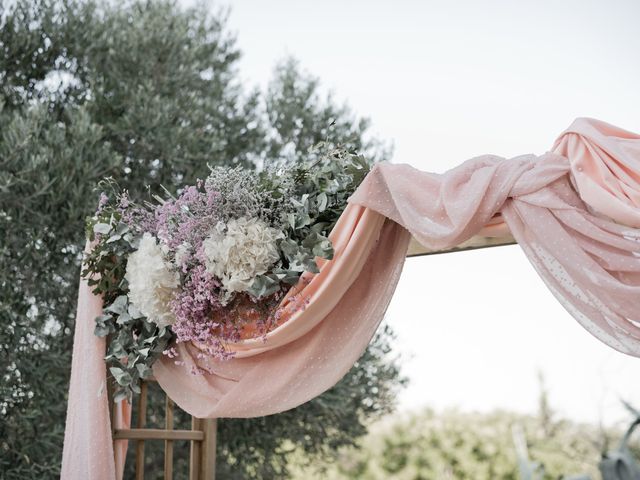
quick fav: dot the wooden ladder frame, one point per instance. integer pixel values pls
(202, 436)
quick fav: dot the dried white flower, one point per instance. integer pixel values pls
(240, 250)
(151, 282)
(182, 254)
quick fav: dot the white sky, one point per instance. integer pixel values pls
(446, 81)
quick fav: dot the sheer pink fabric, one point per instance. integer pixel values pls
(89, 452)
(589, 262)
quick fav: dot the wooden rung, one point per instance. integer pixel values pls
(157, 434)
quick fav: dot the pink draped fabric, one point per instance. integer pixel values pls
(574, 212)
(605, 165)
(88, 448)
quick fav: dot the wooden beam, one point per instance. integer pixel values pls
(142, 434)
(474, 243)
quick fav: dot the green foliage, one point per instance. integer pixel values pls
(468, 446)
(317, 192)
(500, 445)
(147, 93)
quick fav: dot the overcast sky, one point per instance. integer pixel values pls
(446, 81)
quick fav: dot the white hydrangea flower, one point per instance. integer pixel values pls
(240, 250)
(151, 282)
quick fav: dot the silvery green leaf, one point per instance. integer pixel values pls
(103, 318)
(123, 318)
(310, 240)
(122, 228)
(125, 338)
(122, 377)
(102, 228)
(264, 285)
(128, 237)
(143, 370)
(113, 238)
(302, 220)
(144, 352)
(323, 248)
(296, 264)
(149, 327)
(322, 201)
(290, 277)
(117, 350)
(310, 265)
(296, 202)
(101, 330)
(289, 248)
(135, 241)
(119, 305)
(319, 227)
(292, 220)
(319, 245)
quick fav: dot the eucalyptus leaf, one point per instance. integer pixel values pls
(322, 201)
(264, 285)
(122, 377)
(123, 318)
(102, 228)
(144, 370)
(101, 330)
(119, 305)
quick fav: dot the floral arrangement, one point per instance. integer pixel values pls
(212, 262)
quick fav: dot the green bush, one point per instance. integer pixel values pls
(453, 445)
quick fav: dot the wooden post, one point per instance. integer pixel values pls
(142, 420)
(209, 427)
(202, 463)
(168, 444)
(196, 447)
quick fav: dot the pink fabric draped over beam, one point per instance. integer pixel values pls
(574, 212)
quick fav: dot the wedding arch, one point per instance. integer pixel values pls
(575, 212)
